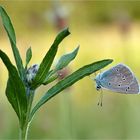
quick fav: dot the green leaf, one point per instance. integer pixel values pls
(50, 79)
(66, 59)
(28, 56)
(48, 59)
(12, 99)
(15, 90)
(70, 80)
(63, 62)
(12, 37)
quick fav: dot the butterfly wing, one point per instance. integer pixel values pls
(119, 79)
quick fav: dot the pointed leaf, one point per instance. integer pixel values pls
(15, 90)
(63, 62)
(70, 80)
(66, 59)
(11, 98)
(28, 56)
(12, 37)
(48, 59)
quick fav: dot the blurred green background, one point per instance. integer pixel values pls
(104, 29)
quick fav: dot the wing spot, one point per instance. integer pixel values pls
(119, 85)
(126, 90)
(109, 84)
(123, 78)
(128, 87)
(117, 69)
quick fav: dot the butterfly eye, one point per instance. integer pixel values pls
(117, 69)
(98, 87)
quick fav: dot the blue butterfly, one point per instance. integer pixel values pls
(118, 79)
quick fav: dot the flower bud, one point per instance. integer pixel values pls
(31, 73)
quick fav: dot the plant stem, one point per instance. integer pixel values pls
(23, 133)
(27, 130)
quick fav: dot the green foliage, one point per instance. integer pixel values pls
(28, 56)
(12, 37)
(51, 76)
(70, 80)
(62, 63)
(66, 59)
(20, 93)
(48, 59)
(15, 90)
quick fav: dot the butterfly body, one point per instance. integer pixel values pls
(118, 79)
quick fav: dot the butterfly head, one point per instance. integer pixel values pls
(98, 84)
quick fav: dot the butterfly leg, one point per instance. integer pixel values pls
(100, 102)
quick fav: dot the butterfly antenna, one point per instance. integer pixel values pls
(95, 74)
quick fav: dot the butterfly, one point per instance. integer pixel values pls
(118, 79)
